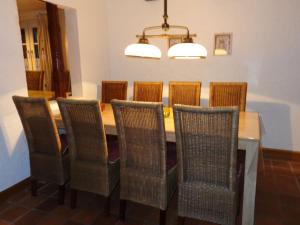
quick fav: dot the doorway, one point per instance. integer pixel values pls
(41, 75)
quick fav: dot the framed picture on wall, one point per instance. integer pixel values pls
(174, 41)
(223, 44)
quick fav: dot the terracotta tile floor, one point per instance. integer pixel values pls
(277, 203)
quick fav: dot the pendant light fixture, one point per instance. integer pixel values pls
(185, 50)
(143, 49)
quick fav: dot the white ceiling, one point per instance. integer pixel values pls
(30, 5)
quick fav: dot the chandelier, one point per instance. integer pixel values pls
(185, 50)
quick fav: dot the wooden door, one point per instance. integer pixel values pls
(30, 44)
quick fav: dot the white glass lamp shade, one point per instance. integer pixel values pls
(141, 50)
(187, 51)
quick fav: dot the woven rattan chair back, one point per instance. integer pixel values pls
(39, 126)
(142, 140)
(185, 93)
(206, 141)
(35, 80)
(228, 94)
(141, 135)
(46, 153)
(85, 130)
(114, 90)
(148, 91)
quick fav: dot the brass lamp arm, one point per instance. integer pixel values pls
(146, 29)
(150, 28)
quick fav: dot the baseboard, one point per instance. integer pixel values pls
(14, 189)
(271, 153)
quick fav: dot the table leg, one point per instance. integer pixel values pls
(252, 151)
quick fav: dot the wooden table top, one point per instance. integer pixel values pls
(41, 94)
(249, 123)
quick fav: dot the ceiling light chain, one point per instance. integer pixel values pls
(165, 25)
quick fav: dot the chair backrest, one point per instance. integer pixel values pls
(147, 91)
(85, 130)
(35, 80)
(185, 93)
(141, 135)
(228, 94)
(207, 141)
(39, 126)
(114, 90)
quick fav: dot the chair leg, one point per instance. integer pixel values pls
(180, 220)
(33, 187)
(122, 209)
(73, 198)
(162, 217)
(107, 206)
(61, 194)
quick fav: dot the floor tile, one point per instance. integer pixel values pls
(280, 163)
(13, 213)
(290, 221)
(52, 220)
(143, 213)
(287, 185)
(2, 222)
(290, 207)
(266, 183)
(64, 211)
(277, 203)
(103, 220)
(69, 222)
(268, 220)
(34, 217)
(19, 196)
(86, 216)
(48, 190)
(3, 206)
(281, 167)
(31, 201)
(48, 205)
(296, 168)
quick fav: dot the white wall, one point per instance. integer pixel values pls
(266, 48)
(86, 25)
(266, 36)
(87, 38)
(14, 165)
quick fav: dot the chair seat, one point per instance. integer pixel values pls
(171, 155)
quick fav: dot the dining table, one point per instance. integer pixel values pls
(249, 137)
(49, 95)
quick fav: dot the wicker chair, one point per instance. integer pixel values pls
(186, 93)
(95, 166)
(49, 159)
(148, 172)
(207, 140)
(35, 80)
(114, 90)
(148, 91)
(228, 94)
